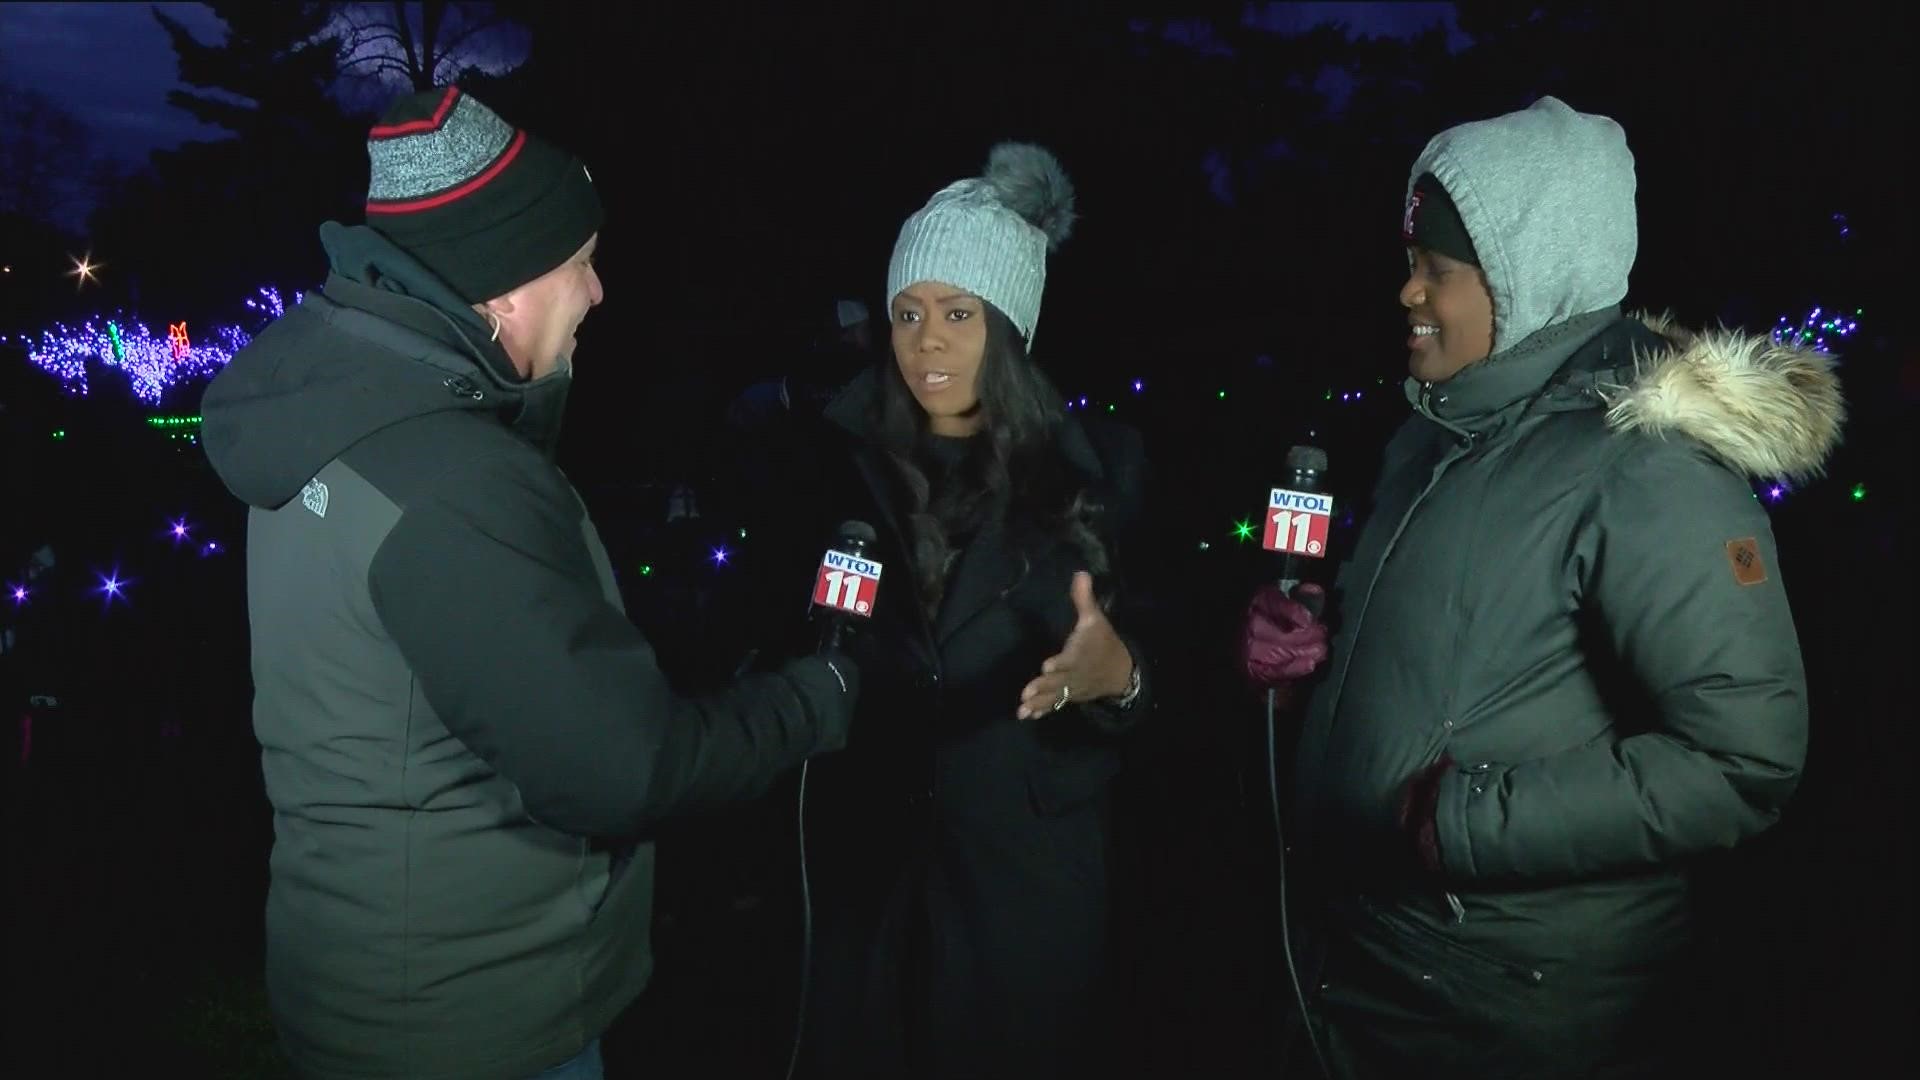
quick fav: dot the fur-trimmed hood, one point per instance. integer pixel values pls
(1768, 409)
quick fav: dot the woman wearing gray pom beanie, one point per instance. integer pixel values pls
(961, 848)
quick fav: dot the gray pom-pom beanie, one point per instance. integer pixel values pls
(990, 234)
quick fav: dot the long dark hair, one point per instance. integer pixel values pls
(1014, 470)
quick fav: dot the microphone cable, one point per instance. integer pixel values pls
(806, 927)
(1280, 843)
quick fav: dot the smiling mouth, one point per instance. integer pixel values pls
(935, 380)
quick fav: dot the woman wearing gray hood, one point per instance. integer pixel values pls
(1563, 663)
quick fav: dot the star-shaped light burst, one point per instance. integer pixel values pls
(84, 270)
(1243, 531)
(113, 587)
(19, 594)
(179, 529)
(720, 556)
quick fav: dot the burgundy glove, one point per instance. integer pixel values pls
(1283, 642)
(1419, 803)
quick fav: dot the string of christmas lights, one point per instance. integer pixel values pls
(154, 364)
(1813, 330)
(1139, 386)
(115, 584)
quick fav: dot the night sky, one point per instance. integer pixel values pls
(111, 64)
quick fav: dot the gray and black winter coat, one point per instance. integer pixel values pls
(464, 739)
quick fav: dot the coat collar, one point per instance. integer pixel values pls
(1483, 398)
(993, 563)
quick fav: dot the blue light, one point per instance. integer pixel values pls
(719, 556)
(113, 586)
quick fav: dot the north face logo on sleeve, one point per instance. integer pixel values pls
(314, 497)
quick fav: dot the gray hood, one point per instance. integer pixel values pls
(1546, 194)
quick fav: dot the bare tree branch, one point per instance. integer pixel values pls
(371, 37)
(374, 59)
(380, 41)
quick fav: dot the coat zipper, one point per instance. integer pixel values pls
(1460, 450)
(1454, 905)
(1439, 470)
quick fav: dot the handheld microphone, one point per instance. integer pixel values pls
(848, 583)
(1299, 517)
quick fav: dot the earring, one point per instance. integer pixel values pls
(494, 321)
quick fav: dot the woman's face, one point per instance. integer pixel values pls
(939, 341)
(1450, 313)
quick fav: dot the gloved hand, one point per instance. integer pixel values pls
(832, 700)
(1419, 803)
(1283, 642)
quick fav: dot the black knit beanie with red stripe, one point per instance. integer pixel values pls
(487, 207)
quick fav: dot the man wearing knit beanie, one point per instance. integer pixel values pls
(461, 733)
(1565, 666)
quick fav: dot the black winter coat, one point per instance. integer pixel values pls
(961, 859)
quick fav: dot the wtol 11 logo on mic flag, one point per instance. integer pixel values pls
(1298, 521)
(847, 583)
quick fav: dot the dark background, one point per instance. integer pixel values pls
(1240, 171)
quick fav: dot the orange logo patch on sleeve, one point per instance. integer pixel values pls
(1745, 557)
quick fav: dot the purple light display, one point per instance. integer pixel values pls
(152, 363)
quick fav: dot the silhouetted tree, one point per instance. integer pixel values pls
(47, 158)
(210, 221)
(385, 46)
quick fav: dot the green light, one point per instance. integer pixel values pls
(1243, 530)
(61, 434)
(1223, 395)
(1109, 408)
(646, 571)
(743, 534)
(1859, 492)
(1329, 395)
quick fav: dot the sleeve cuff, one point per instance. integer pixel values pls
(1459, 790)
